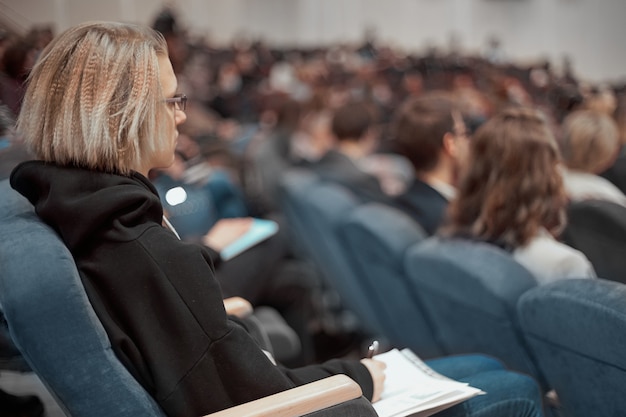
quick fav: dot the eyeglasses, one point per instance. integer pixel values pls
(179, 101)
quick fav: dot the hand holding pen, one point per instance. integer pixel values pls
(372, 349)
(376, 369)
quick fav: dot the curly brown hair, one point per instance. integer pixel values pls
(512, 186)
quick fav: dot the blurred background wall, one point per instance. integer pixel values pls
(589, 33)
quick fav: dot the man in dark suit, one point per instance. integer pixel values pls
(351, 126)
(429, 131)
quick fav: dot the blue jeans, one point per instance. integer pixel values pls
(509, 394)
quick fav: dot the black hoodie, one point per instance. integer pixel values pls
(156, 296)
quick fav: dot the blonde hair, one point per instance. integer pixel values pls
(94, 98)
(590, 142)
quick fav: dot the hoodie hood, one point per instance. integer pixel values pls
(83, 205)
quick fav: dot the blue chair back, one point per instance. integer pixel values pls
(577, 329)
(314, 210)
(53, 324)
(291, 187)
(597, 228)
(376, 239)
(470, 291)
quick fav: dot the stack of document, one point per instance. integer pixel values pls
(412, 388)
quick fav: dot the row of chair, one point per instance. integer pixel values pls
(452, 296)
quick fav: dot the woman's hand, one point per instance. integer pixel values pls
(377, 371)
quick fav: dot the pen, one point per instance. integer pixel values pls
(372, 349)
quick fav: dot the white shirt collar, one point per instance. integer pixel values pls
(446, 190)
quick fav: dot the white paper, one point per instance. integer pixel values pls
(413, 388)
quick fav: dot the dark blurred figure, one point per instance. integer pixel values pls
(17, 60)
(166, 24)
(12, 151)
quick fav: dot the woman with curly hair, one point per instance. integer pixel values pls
(512, 195)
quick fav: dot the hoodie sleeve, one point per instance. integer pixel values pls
(352, 368)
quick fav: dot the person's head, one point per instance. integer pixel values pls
(96, 98)
(512, 186)
(352, 121)
(18, 58)
(428, 128)
(590, 141)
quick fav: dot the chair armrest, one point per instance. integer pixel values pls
(238, 307)
(298, 401)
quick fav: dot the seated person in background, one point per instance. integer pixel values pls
(511, 195)
(354, 139)
(156, 296)
(429, 131)
(590, 144)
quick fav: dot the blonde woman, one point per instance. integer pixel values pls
(590, 145)
(100, 111)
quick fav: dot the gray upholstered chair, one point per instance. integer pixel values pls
(470, 291)
(376, 238)
(54, 326)
(577, 331)
(597, 228)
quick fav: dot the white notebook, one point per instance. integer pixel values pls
(412, 388)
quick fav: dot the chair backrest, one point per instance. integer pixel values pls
(314, 210)
(470, 291)
(376, 239)
(598, 229)
(577, 329)
(53, 323)
(292, 185)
